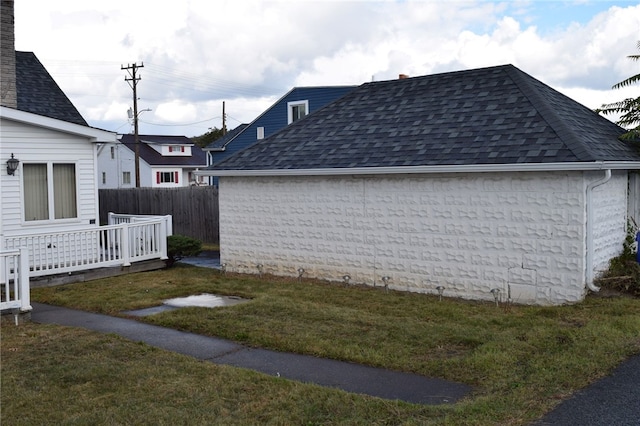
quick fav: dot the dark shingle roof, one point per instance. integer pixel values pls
(496, 115)
(154, 158)
(38, 93)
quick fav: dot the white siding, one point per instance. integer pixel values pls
(123, 161)
(37, 145)
(610, 219)
(523, 233)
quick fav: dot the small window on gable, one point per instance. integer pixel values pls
(113, 152)
(260, 133)
(126, 178)
(297, 110)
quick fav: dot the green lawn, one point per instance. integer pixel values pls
(520, 360)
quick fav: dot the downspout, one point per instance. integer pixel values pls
(590, 188)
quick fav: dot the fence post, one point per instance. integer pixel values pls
(25, 291)
(126, 248)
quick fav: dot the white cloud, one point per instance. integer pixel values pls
(199, 53)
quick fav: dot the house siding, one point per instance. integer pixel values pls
(610, 204)
(37, 145)
(523, 233)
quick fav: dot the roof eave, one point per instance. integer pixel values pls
(473, 168)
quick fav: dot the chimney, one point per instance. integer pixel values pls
(8, 91)
(402, 76)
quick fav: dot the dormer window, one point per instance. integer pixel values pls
(297, 110)
(176, 148)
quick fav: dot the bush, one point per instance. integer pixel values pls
(623, 274)
(180, 246)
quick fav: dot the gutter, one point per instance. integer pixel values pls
(590, 252)
(471, 168)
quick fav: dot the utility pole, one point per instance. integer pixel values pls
(133, 82)
(224, 121)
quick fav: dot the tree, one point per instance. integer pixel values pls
(204, 140)
(629, 108)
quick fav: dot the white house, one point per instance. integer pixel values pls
(478, 184)
(49, 215)
(165, 162)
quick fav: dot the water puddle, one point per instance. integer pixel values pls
(204, 300)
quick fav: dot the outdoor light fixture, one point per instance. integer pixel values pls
(300, 273)
(12, 165)
(440, 291)
(346, 279)
(224, 268)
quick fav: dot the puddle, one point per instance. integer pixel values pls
(204, 300)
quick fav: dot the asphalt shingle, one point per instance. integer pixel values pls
(495, 115)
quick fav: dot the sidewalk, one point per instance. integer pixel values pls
(325, 372)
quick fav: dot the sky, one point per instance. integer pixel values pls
(197, 54)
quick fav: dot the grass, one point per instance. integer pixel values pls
(521, 360)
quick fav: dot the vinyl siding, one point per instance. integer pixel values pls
(32, 144)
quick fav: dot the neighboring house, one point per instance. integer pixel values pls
(296, 104)
(479, 184)
(165, 162)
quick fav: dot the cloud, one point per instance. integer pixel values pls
(199, 53)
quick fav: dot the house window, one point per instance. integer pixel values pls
(126, 178)
(47, 185)
(176, 148)
(166, 177)
(297, 110)
(104, 177)
(113, 152)
(260, 133)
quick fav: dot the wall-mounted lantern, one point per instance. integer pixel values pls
(12, 165)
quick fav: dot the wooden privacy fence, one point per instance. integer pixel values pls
(194, 208)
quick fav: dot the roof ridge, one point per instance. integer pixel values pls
(549, 114)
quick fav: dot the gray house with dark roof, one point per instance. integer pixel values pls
(479, 184)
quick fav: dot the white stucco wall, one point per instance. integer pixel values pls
(523, 233)
(610, 209)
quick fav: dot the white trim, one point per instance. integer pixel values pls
(93, 134)
(472, 168)
(292, 104)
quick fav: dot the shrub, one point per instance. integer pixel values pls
(179, 246)
(624, 271)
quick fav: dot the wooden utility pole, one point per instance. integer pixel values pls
(133, 82)
(224, 120)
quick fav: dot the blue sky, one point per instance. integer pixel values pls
(249, 53)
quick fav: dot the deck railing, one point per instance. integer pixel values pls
(14, 280)
(117, 218)
(96, 247)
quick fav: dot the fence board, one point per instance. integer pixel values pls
(194, 208)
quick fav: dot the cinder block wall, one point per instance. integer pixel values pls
(522, 233)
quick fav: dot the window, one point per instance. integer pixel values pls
(126, 178)
(297, 110)
(176, 148)
(104, 178)
(260, 133)
(49, 184)
(113, 152)
(166, 177)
